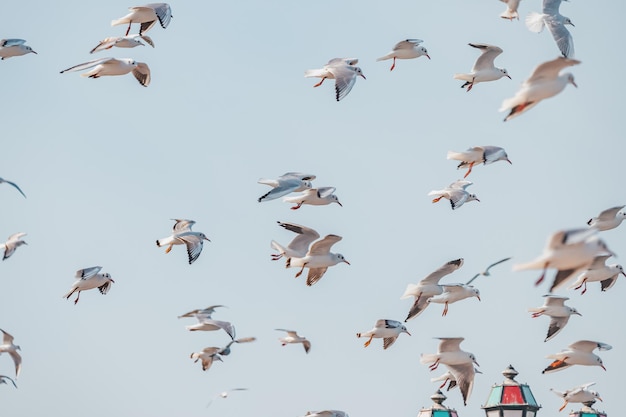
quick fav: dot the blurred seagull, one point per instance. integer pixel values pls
(204, 312)
(388, 330)
(7, 346)
(14, 47)
(225, 351)
(486, 272)
(554, 307)
(406, 49)
(4, 379)
(285, 184)
(299, 246)
(511, 10)
(456, 193)
(207, 325)
(183, 235)
(13, 242)
(460, 363)
(555, 23)
(292, 337)
(342, 70)
(111, 66)
(318, 259)
(599, 271)
(326, 413)
(483, 69)
(147, 16)
(580, 394)
(224, 394)
(608, 219)
(478, 155)
(314, 196)
(129, 41)
(428, 287)
(89, 278)
(2, 180)
(544, 82)
(207, 356)
(578, 353)
(453, 293)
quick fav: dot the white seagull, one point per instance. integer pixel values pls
(204, 312)
(207, 356)
(428, 287)
(292, 337)
(129, 41)
(545, 82)
(207, 325)
(486, 272)
(4, 379)
(7, 346)
(326, 413)
(13, 242)
(483, 69)
(460, 363)
(111, 66)
(14, 47)
(318, 259)
(555, 23)
(89, 278)
(580, 394)
(453, 293)
(477, 155)
(287, 183)
(225, 351)
(406, 49)
(554, 307)
(448, 378)
(388, 330)
(147, 16)
(314, 196)
(608, 219)
(299, 246)
(511, 10)
(183, 235)
(2, 180)
(225, 394)
(456, 193)
(599, 271)
(578, 353)
(342, 70)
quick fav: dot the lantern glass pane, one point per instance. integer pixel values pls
(493, 413)
(513, 413)
(530, 414)
(528, 395)
(424, 413)
(441, 413)
(494, 397)
(512, 395)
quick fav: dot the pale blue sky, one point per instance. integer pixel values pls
(107, 163)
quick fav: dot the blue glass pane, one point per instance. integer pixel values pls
(528, 395)
(495, 396)
(441, 413)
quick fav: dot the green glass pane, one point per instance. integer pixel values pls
(441, 413)
(528, 395)
(495, 396)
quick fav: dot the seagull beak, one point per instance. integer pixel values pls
(363, 76)
(602, 367)
(407, 332)
(427, 56)
(509, 161)
(476, 362)
(346, 262)
(599, 398)
(478, 296)
(623, 273)
(341, 205)
(570, 23)
(207, 239)
(113, 281)
(509, 77)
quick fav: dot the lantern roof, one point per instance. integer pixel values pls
(511, 393)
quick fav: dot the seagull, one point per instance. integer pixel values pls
(428, 287)
(146, 15)
(224, 394)
(511, 10)
(388, 330)
(207, 356)
(14, 47)
(608, 219)
(287, 183)
(4, 379)
(448, 378)
(578, 353)
(225, 351)
(460, 363)
(486, 272)
(555, 23)
(111, 66)
(2, 180)
(580, 394)
(567, 251)
(204, 312)
(326, 413)
(453, 293)
(456, 193)
(318, 259)
(406, 49)
(599, 271)
(554, 307)
(342, 70)
(183, 235)
(89, 278)
(292, 337)
(314, 196)
(7, 346)
(206, 324)
(544, 82)
(129, 41)
(478, 154)
(13, 242)
(299, 246)
(483, 69)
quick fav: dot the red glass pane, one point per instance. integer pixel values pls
(512, 395)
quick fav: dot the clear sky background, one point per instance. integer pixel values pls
(107, 163)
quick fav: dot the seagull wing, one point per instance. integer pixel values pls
(489, 54)
(90, 64)
(87, 273)
(142, 73)
(322, 247)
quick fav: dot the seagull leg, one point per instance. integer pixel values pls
(276, 256)
(366, 344)
(300, 272)
(320, 83)
(543, 274)
(297, 206)
(77, 297)
(563, 406)
(393, 65)
(445, 310)
(585, 289)
(469, 87)
(435, 200)
(434, 366)
(128, 30)
(444, 383)
(537, 314)
(169, 248)
(469, 170)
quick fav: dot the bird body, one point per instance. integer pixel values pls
(299, 246)
(456, 193)
(129, 41)
(112, 66)
(7, 346)
(342, 70)
(554, 307)
(511, 9)
(147, 16)
(578, 353)
(406, 49)
(388, 330)
(287, 183)
(608, 219)
(478, 155)
(293, 337)
(453, 293)
(207, 356)
(598, 271)
(14, 47)
(13, 242)
(207, 325)
(183, 235)
(580, 394)
(318, 259)
(315, 197)
(89, 278)
(484, 69)
(555, 22)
